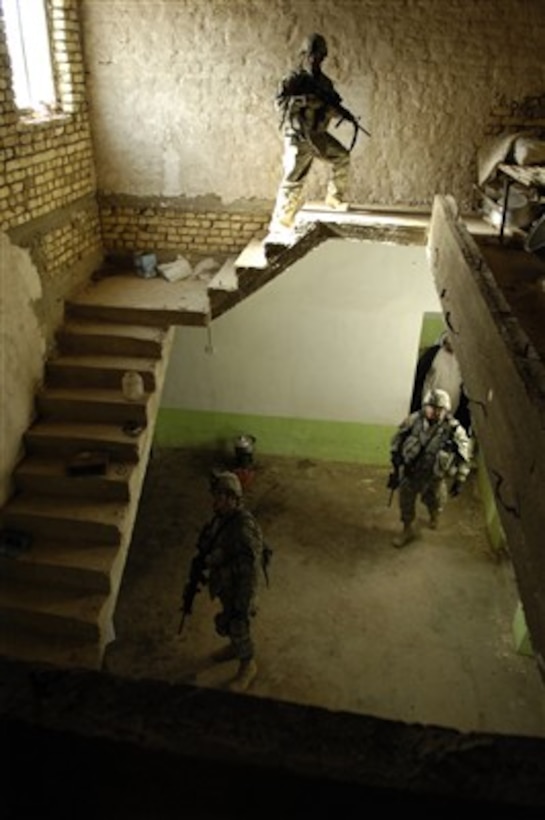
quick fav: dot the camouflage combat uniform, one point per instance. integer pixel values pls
(304, 122)
(427, 454)
(236, 543)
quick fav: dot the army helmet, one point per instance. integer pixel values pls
(314, 46)
(437, 398)
(225, 482)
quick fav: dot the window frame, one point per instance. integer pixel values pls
(26, 72)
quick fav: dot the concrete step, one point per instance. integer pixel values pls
(87, 337)
(65, 439)
(98, 371)
(90, 404)
(125, 298)
(226, 278)
(58, 650)
(75, 565)
(49, 476)
(252, 257)
(44, 611)
(52, 519)
(223, 289)
(61, 650)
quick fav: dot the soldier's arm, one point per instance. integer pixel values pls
(248, 548)
(462, 456)
(462, 443)
(399, 437)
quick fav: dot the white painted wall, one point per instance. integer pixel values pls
(333, 338)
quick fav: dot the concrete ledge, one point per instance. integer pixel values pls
(213, 730)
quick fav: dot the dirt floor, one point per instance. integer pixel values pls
(348, 623)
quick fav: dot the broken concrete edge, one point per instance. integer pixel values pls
(212, 726)
(508, 405)
(525, 357)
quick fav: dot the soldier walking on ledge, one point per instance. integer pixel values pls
(307, 102)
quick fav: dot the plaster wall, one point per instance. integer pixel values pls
(22, 348)
(334, 338)
(504, 377)
(182, 91)
(51, 238)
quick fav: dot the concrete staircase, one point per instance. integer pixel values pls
(58, 591)
(58, 595)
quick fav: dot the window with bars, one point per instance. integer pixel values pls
(29, 47)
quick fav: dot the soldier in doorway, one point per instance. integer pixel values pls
(438, 368)
(429, 447)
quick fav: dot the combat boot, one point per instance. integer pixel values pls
(226, 653)
(247, 672)
(405, 537)
(434, 520)
(336, 203)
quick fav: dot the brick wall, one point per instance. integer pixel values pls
(517, 115)
(169, 228)
(47, 175)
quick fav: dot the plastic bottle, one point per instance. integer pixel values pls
(132, 385)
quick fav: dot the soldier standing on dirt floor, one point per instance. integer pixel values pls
(305, 116)
(429, 446)
(233, 547)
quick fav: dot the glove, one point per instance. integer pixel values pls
(397, 460)
(456, 489)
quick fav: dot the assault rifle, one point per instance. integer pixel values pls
(393, 484)
(302, 85)
(345, 114)
(197, 575)
(334, 101)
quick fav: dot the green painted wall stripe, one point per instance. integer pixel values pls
(494, 528)
(335, 441)
(433, 324)
(521, 636)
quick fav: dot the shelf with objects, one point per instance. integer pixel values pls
(511, 183)
(530, 178)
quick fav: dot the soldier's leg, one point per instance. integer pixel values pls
(241, 639)
(407, 509)
(240, 646)
(334, 153)
(227, 652)
(434, 497)
(297, 161)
